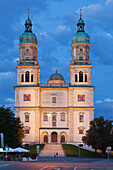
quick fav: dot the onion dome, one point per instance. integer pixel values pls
(28, 36)
(80, 36)
(56, 76)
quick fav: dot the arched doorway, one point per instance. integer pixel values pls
(45, 139)
(62, 139)
(54, 137)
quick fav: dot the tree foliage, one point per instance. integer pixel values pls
(99, 135)
(11, 127)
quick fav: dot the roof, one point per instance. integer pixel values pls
(56, 76)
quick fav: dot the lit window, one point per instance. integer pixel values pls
(26, 118)
(62, 117)
(45, 118)
(54, 124)
(53, 99)
(80, 76)
(80, 131)
(75, 77)
(27, 129)
(81, 117)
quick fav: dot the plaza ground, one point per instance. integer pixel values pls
(60, 164)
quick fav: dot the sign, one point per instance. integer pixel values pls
(80, 145)
(109, 149)
(37, 148)
(6, 148)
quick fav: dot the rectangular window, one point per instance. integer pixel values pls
(54, 124)
(80, 131)
(62, 117)
(53, 117)
(81, 118)
(80, 58)
(26, 118)
(26, 131)
(45, 118)
(53, 99)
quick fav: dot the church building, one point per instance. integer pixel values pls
(55, 111)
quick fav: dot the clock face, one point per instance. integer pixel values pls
(27, 97)
(81, 98)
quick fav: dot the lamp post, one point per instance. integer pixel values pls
(2, 140)
(80, 145)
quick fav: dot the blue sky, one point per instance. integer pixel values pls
(54, 23)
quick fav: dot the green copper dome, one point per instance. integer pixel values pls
(56, 76)
(81, 36)
(28, 36)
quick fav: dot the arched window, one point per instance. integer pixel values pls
(27, 129)
(27, 76)
(75, 77)
(22, 78)
(31, 77)
(80, 76)
(85, 77)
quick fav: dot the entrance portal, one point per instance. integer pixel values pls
(45, 139)
(54, 137)
(62, 139)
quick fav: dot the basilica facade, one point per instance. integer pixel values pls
(55, 111)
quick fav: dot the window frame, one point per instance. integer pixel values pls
(45, 116)
(54, 99)
(63, 120)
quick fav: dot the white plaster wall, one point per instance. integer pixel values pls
(73, 97)
(22, 71)
(28, 137)
(85, 124)
(21, 97)
(75, 70)
(61, 97)
(59, 123)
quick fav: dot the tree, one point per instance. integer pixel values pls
(11, 127)
(99, 136)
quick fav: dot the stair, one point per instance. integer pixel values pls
(50, 150)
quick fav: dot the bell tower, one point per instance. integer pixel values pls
(80, 65)
(28, 66)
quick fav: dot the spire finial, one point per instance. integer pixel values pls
(56, 70)
(80, 12)
(28, 10)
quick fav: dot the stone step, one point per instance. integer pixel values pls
(50, 150)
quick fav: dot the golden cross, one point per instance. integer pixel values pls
(56, 69)
(80, 12)
(28, 10)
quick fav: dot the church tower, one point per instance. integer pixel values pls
(80, 66)
(28, 66)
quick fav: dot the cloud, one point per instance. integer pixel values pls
(60, 28)
(106, 100)
(10, 100)
(9, 73)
